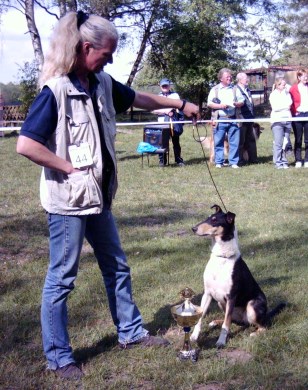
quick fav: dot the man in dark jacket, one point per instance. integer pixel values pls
(170, 115)
(247, 137)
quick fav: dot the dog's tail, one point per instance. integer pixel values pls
(274, 312)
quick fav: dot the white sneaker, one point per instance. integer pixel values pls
(218, 165)
(298, 164)
(286, 167)
(235, 166)
(306, 164)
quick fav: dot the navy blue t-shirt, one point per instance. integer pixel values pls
(42, 119)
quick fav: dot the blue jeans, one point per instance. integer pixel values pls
(233, 132)
(66, 239)
(280, 130)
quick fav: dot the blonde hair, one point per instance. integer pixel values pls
(278, 81)
(67, 38)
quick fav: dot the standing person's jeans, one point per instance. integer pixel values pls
(66, 239)
(280, 130)
(233, 132)
(300, 129)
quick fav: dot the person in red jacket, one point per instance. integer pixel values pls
(299, 109)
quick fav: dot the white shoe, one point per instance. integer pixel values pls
(218, 165)
(306, 164)
(286, 167)
(235, 166)
(298, 164)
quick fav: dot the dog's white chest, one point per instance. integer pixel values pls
(218, 277)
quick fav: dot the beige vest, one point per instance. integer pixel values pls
(79, 193)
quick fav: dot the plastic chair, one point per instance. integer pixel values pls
(157, 135)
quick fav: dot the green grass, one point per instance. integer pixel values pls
(155, 209)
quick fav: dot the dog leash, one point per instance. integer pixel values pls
(195, 128)
(171, 127)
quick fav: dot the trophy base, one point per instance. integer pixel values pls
(192, 355)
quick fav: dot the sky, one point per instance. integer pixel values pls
(16, 46)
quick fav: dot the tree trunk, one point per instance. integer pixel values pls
(143, 45)
(35, 36)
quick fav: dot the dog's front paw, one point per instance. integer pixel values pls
(194, 336)
(214, 324)
(222, 340)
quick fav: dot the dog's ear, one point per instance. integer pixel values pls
(230, 217)
(217, 208)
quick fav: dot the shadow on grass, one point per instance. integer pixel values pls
(106, 344)
(17, 232)
(130, 157)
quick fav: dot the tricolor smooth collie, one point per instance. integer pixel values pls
(228, 280)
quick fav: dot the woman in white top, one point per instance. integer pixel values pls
(280, 100)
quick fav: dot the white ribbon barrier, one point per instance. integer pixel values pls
(209, 121)
(257, 120)
(230, 120)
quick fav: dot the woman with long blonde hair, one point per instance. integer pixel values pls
(70, 131)
(280, 101)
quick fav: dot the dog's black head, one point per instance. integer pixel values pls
(257, 130)
(218, 224)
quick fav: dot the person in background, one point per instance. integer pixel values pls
(280, 100)
(70, 131)
(223, 99)
(289, 147)
(299, 109)
(246, 111)
(168, 115)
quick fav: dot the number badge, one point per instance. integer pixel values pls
(80, 155)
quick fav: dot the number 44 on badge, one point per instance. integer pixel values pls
(80, 155)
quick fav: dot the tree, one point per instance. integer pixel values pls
(264, 38)
(156, 22)
(132, 14)
(10, 93)
(27, 8)
(192, 44)
(296, 52)
(28, 84)
(143, 17)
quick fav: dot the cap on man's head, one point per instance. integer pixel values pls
(164, 82)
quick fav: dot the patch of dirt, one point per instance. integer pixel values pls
(23, 256)
(216, 386)
(174, 332)
(86, 248)
(234, 356)
(210, 386)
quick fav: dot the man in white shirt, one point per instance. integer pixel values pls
(224, 99)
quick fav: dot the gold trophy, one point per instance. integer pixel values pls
(187, 315)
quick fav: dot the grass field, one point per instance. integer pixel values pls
(155, 209)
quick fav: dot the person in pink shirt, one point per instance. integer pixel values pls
(299, 109)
